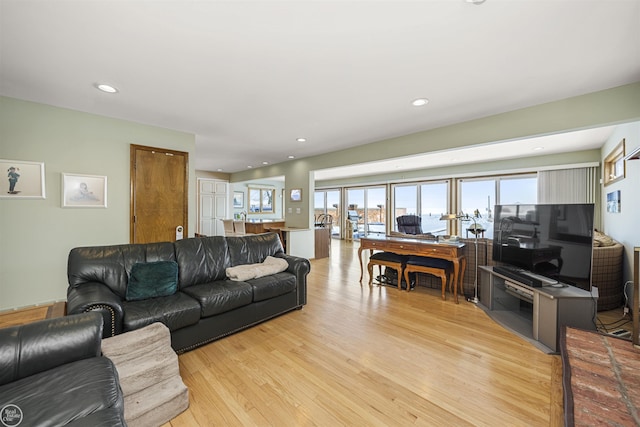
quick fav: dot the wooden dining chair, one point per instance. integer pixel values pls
(228, 226)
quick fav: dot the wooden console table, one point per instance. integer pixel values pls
(426, 248)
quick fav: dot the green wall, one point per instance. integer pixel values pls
(37, 235)
(608, 107)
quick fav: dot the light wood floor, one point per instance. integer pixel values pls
(360, 356)
(363, 356)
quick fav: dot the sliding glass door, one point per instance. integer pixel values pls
(327, 202)
(366, 209)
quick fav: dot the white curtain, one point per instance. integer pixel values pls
(579, 185)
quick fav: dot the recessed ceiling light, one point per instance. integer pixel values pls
(265, 163)
(538, 148)
(419, 102)
(291, 157)
(249, 167)
(106, 88)
(301, 139)
(219, 169)
(475, 1)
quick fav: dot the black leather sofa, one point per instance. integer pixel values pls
(52, 374)
(206, 306)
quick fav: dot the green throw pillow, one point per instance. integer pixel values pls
(152, 279)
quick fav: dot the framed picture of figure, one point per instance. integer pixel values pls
(23, 180)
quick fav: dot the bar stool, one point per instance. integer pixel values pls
(436, 267)
(387, 259)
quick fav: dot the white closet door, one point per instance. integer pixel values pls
(207, 218)
(213, 206)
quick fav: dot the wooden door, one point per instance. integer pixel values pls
(159, 194)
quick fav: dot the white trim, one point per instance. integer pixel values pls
(533, 169)
(634, 155)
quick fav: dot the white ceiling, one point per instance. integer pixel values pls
(249, 77)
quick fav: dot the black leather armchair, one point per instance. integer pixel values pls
(52, 373)
(409, 224)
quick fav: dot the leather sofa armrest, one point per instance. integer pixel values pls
(97, 297)
(300, 267)
(39, 346)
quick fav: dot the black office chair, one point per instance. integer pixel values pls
(409, 224)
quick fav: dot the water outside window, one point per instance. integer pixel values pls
(478, 198)
(522, 191)
(433, 204)
(405, 201)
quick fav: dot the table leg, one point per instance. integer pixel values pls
(458, 276)
(456, 271)
(360, 259)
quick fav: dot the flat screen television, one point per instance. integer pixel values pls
(551, 240)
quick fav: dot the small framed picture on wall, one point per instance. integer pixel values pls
(238, 199)
(296, 195)
(613, 202)
(24, 180)
(84, 191)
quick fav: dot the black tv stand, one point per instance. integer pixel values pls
(535, 313)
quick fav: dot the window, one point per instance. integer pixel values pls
(614, 165)
(518, 190)
(477, 198)
(261, 200)
(405, 198)
(433, 204)
(429, 200)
